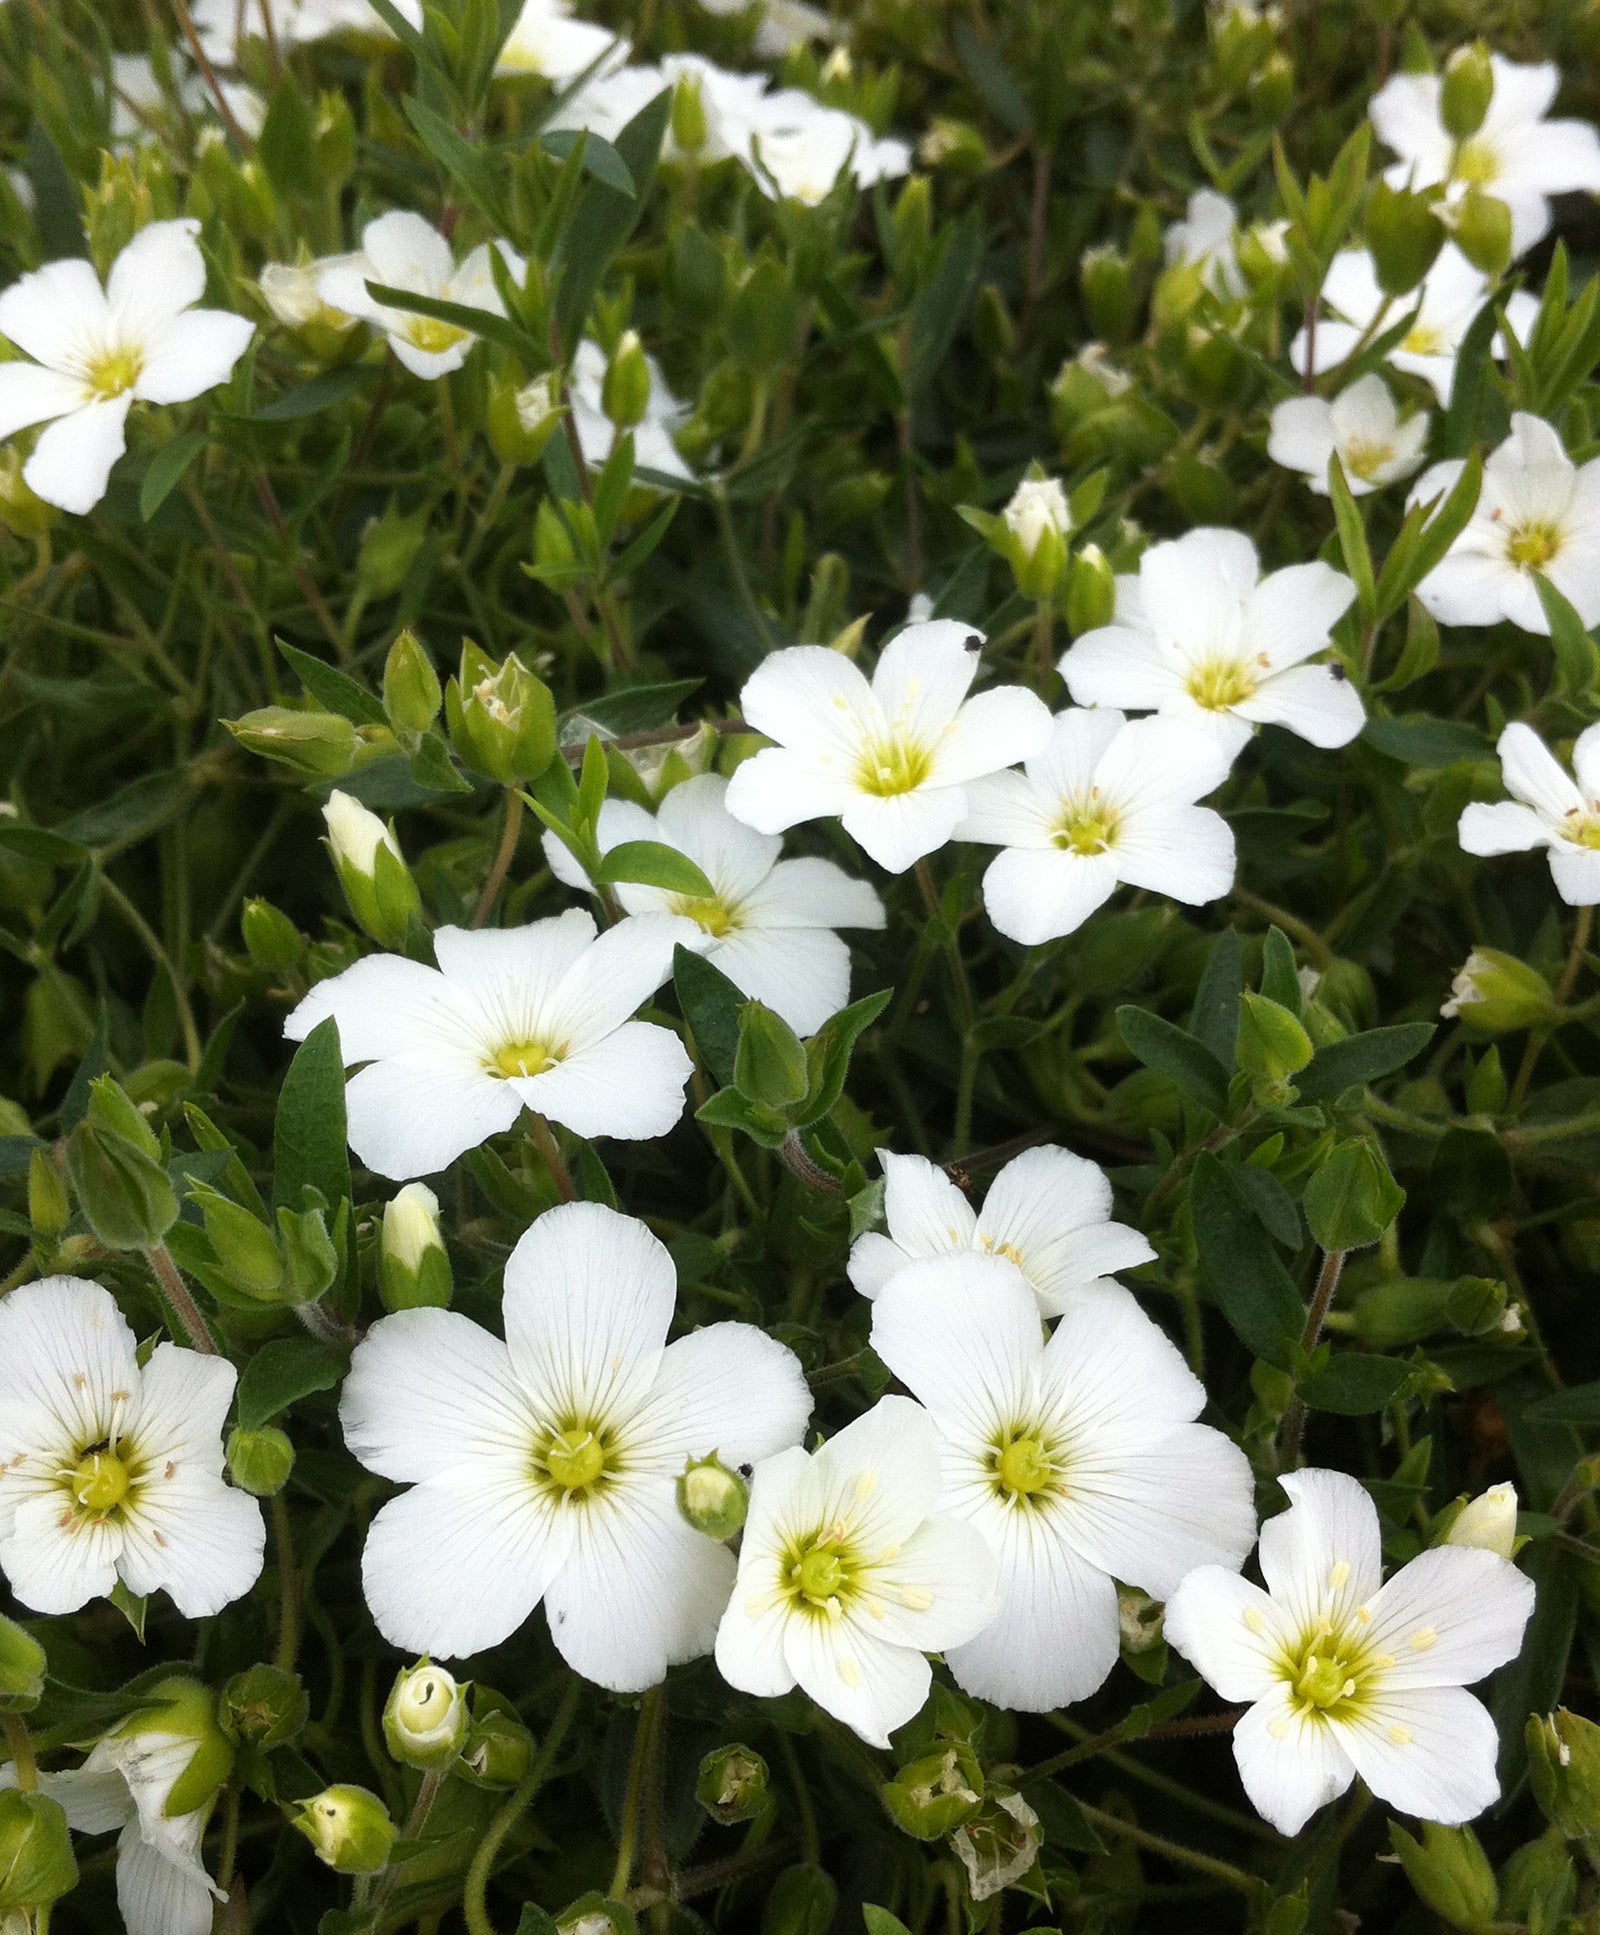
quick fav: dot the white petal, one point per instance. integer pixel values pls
(1302, 436)
(194, 1537)
(1010, 810)
(31, 394)
(1507, 826)
(57, 1562)
(1467, 588)
(612, 979)
(898, 830)
(1316, 701)
(1322, 1556)
(157, 1896)
(812, 893)
(962, 1334)
(1289, 615)
(639, 1591)
(871, 1686)
(924, 674)
(806, 696)
(994, 729)
(589, 1294)
(157, 276)
(1162, 763)
(802, 974)
(694, 817)
(71, 463)
(1114, 1375)
(429, 1390)
(192, 354)
(1188, 855)
(506, 976)
(384, 1005)
(926, 1213)
(1576, 873)
(1450, 1617)
(778, 789)
(1533, 774)
(935, 1592)
(1429, 1751)
(1034, 897)
(1291, 1764)
(1053, 1210)
(407, 253)
(629, 1085)
(873, 1262)
(94, 1798)
(182, 1407)
(880, 1475)
(1122, 665)
(67, 1348)
(1586, 760)
(1193, 587)
(749, 1648)
(1057, 1635)
(412, 1115)
(728, 1388)
(1228, 1630)
(57, 314)
(457, 1564)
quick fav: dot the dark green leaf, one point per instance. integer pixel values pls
(128, 816)
(1280, 980)
(600, 159)
(603, 218)
(993, 80)
(332, 689)
(57, 205)
(1170, 1051)
(308, 1138)
(1578, 1404)
(1361, 1059)
(476, 322)
(710, 1004)
(1241, 1268)
(1215, 1021)
(1418, 740)
(321, 393)
(830, 1049)
(284, 1370)
(1532, 1682)
(649, 863)
(1352, 1384)
(166, 472)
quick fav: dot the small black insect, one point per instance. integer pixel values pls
(974, 641)
(1339, 673)
(746, 1470)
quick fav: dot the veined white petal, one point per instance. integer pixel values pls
(1035, 897)
(506, 977)
(182, 1407)
(898, 829)
(1109, 1367)
(749, 1647)
(157, 1895)
(1053, 1209)
(386, 1005)
(71, 463)
(728, 1388)
(1229, 1630)
(1322, 1556)
(1429, 1751)
(880, 1475)
(936, 1592)
(194, 1537)
(869, 1684)
(629, 1083)
(1450, 1617)
(1291, 1762)
(57, 314)
(612, 979)
(67, 1348)
(926, 1213)
(801, 973)
(810, 893)
(191, 354)
(412, 1115)
(56, 1561)
(962, 1334)
(156, 277)
(924, 674)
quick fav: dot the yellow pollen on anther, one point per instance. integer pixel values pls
(524, 1058)
(916, 1598)
(1339, 1576)
(1532, 546)
(1219, 683)
(1253, 1619)
(1364, 1615)
(430, 335)
(849, 1672)
(1364, 457)
(1422, 1639)
(866, 1484)
(1401, 1736)
(115, 372)
(892, 767)
(1278, 1729)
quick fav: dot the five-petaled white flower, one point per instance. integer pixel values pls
(1347, 1675)
(1546, 809)
(547, 41)
(1516, 155)
(798, 149)
(1442, 309)
(894, 759)
(1047, 1211)
(545, 1467)
(848, 1575)
(1109, 800)
(402, 251)
(769, 923)
(653, 447)
(1538, 515)
(1201, 634)
(98, 351)
(223, 25)
(537, 1016)
(111, 1472)
(1375, 444)
(1078, 1459)
(1206, 238)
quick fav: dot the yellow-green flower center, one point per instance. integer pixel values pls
(1220, 683)
(575, 1458)
(430, 335)
(1087, 826)
(1532, 546)
(114, 372)
(1024, 1467)
(1476, 163)
(1364, 458)
(1422, 340)
(820, 1575)
(100, 1482)
(712, 914)
(1322, 1679)
(819, 1571)
(1583, 829)
(524, 1058)
(893, 766)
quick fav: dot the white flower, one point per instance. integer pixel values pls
(893, 759)
(547, 41)
(1202, 635)
(292, 291)
(781, 25)
(96, 352)
(1107, 801)
(402, 251)
(1346, 1675)
(535, 1016)
(1077, 1459)
(730, 103)
(1047, 1211)
(1488, 1521)
(355, 833)
(1375, 443)
(799, 148)
(653, 448)
(1038, 508)
(224, 24)
(111, 1472)
(1538, 515)
(139, 106)
(1545, 810)
(545, 1467)
(847, 1577)
(411, 1226)
(769, 924)
(1516, 155)
(1206, 239)
(1442, 307)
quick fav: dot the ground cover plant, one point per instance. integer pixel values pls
(799, 1091)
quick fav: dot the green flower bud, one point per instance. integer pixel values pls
(955, 145)
(376, 881)
(1404, 236)
(689, 127)
(24, 515)
(37, 1866)
(1486, 1085)
(522, 420)
(414, 1267)
(124, 1193)
(1105, 278)
(246, 1249)
(113, 1109)
(625, 391)
(349, 1827)
(388, 548)
(1272, 88)
(1539, 1884)
(498, 1750)
(1037, 521)
(22, 1668)
(1450, 1871)
(999, 1844)
(322, 745)
(769, 1064)
(933, 1796)
(184, 1707)
(912, 225)
(266, 1706)
(1139, 1620)
(259, 1462)
(732, 1784)
(801, 1901)
(1498, 994)
(412, 694)
(49, 1206)
(1488, 1521)
(333, 140)
(425, 1719)
(1483, 232)
(1272, 1043)
(1352, 1198)
(310, 1261)
(1402, 1310)
(1091, 591)
(271, 939)
(502, 719)
(712, 1498)
(1564, 1769)
(1466, 90)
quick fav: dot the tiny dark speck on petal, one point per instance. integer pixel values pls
(1339, 673)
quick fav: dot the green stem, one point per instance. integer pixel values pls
(416, 1820)
(504, 855)
(810, 1842)
(633, 1802)
(152, 945)
(1175, 1851)
(20, 1743)
(1294, 1419)
(550, 1155)
(473, 1903)
(183, 1306)
(1540, 1037)
(288, 1586)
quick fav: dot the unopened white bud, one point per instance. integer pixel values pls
(1488, 1521)
(1038, 509)
(355, 833)
(425, 1721)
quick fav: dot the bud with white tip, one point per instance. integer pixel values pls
(712, 1498)
(1038, 519)
(376, 881)
(1488, 1521)
(415, 1268)
(426, 1720)
(349, 1827)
